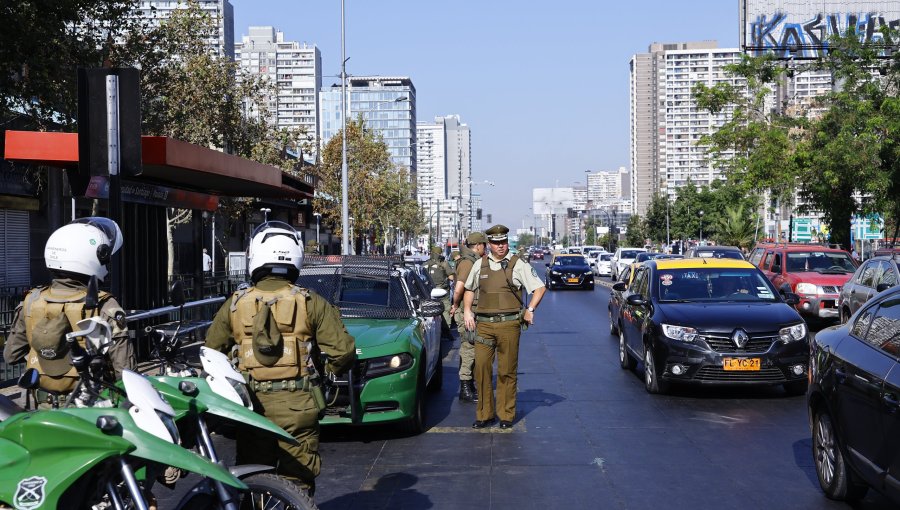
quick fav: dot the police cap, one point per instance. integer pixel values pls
(497, 233)
(476, 238)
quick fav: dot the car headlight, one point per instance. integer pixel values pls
(792, 333)
(806, 288)
(588, 272)
(554, 273)
(681, 333)
(385, 365)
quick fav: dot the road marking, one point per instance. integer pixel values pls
(519, 427)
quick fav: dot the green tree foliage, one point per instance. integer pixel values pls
(637, 231)
(656, 217)
(379, 195)
(735, 228)
(525, 240)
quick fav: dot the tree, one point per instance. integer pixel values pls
(525, 240)
(636, 234)
(735, 228)
(657, 219)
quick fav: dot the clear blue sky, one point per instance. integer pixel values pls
(542, 85)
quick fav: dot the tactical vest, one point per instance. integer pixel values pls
(464, 268)
(288, 309)
(495, 294)
(437, 273)
(42, 303)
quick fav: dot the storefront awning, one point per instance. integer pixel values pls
(169, 162)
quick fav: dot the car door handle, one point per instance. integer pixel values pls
(891, 401)
(840, 375)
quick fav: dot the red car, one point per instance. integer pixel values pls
(537, 255)
(814, 272)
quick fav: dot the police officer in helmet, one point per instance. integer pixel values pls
(277, 328)
(74, 253)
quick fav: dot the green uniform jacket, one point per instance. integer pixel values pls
(120, 354)
(324, 319)
(439, 272)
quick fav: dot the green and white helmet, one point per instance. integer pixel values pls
(83, 247)
(275, 248)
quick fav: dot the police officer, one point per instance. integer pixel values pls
(73, 254)
(471, 254)
(277, 328)
(497, 283)
(441, 275)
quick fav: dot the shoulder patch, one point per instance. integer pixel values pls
(533, 272)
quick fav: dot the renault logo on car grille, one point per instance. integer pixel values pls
(740, 338)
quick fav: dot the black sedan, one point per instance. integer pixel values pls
(710, 321)
(569, 271)
(854, 402)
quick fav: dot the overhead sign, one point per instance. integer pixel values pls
(151, 194)
(871, 227)
(801, 29)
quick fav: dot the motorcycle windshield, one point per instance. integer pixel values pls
(107, 226)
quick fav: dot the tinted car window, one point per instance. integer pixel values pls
(714, 284)
(756, 257)
(884, 332)
(819, 262)
(768, 261)
(628, 254)
(889, 275)
(638, 281)
(606, 256)
(867, 274)
(862, 324)
(570, 261)
(720, 254)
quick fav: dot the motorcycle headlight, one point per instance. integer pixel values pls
(680, 333)
(242, 392)
(793, 333)
(385, 365)
(169, 423)
(806, 288)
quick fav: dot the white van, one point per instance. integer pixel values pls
(623, 258)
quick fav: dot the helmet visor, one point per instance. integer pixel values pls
(109, 228)
(276, 228)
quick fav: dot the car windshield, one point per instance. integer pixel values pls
(713, 284)
(358, 287)
(628, 254)
(820, 262)
(606, 256)
(720, 254)
(569, 261)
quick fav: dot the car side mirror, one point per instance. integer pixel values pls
(30, 379)
(620, 286)
(791, 298)
(776, 269)
(176, 294)
(432, 308)
(881, 287)
(547, 264)
(636, 300)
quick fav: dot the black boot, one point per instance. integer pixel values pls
(467, 391)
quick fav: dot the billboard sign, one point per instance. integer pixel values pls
(552, 200)
(800, 29)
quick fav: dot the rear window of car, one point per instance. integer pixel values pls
(714, 284)
(606, 256)
(628, 254)
(720, 254)
(819, 262)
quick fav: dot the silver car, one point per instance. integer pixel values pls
(623, 258)
(871, 277)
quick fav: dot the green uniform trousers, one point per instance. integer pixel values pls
(505, 337)
(466, 350)
(296, 413)
(447, 318)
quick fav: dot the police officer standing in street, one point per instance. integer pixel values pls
(471, 254)
(496, 284)
(73, 254)
(279, 328)
(441, 275)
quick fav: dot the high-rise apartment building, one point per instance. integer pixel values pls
(293, 70)
(444, 166)
(221, 12)
(387, 105)
(606, 187)
(666, 124)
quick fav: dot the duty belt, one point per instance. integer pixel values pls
(500, 317)
(283, 385)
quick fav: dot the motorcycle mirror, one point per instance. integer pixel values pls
(176, 294)
(92, 300)
(30, 379)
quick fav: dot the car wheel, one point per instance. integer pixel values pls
(796, 388)
(613, 330)
(652, 383)
(834, 475)
(415, 425)
(625, 359)
(437, 378)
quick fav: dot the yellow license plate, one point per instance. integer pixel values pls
(740, 364)
(573, 280)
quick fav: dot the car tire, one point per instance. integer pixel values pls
(626, 361)
(613, 328)
(835, 477)
(415, 425)
(796, 388)
(437, 378)
(652, 382)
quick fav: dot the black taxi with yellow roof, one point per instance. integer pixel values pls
(711, 321)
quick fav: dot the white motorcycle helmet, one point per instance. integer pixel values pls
(83, 247)
(275, 248)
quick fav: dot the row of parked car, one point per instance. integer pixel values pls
(718, 320)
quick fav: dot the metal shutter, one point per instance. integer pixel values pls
(15, 249)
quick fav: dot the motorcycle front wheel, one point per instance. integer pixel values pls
(268, 491)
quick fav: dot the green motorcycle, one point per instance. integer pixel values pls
(93, 457)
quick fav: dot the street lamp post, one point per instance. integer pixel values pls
(318, 219)
(609, 228)
(701, 227)
(345, 206)
(349, 246)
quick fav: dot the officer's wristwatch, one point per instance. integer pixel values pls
(530, 309)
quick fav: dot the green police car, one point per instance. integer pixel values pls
(395, 317)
